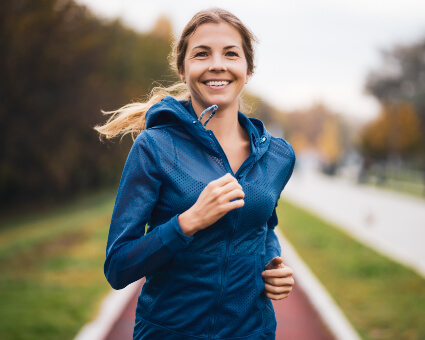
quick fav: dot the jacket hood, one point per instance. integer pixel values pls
(169, 111)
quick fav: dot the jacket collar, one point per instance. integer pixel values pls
(169, 110)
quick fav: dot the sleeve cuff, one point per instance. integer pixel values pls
(172, 235)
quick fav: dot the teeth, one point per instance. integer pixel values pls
(217, 83)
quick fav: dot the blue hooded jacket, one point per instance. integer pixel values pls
(208, 286)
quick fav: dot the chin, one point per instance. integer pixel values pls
(222, 103)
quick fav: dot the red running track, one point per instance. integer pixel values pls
(296, 320)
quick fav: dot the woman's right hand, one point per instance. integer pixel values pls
(212, 204)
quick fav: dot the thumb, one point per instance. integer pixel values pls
(275, 263)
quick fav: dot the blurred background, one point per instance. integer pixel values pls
(344, 83)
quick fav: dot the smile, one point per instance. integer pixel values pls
(217, 82)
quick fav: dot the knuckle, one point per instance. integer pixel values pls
(220, 199)
(276, 290)
(215, 192)
(282, 290)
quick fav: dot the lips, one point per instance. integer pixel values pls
(217, 82)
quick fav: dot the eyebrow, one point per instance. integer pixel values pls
(209, 48)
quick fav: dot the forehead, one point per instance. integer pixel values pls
(210, 34)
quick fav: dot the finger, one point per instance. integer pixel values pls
(234, 194)
(280, 281)
(276, 296)
(277, 290)
(281, 272)
(216, 192)
(223, 180)
(233, 205)
(230, 186)
(276, 262)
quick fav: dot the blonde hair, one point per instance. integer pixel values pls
(130, 119)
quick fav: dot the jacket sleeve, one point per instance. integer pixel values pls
(131, 255)
(273, 248)
(272, 243)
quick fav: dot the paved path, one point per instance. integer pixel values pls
(297, 320)
(309, 313)
(391, 223)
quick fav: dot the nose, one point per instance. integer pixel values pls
(217, 63)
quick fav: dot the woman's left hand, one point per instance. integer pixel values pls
(278, 280)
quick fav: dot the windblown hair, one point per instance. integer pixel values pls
(130, 119)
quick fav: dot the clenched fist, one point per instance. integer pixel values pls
(216, 200)
(278, 280)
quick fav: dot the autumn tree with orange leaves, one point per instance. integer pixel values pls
(396, 131)
(399, 85)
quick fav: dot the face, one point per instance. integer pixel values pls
(215, 68)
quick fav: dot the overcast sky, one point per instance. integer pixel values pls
(309, 50)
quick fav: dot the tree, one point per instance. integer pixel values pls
(162, 29)
(401, 78)
(379, 140)
(318, 128)
(61, 66)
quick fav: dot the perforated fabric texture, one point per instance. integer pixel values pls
(207, 286)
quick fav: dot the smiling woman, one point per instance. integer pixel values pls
(210, 255)
(215, 68)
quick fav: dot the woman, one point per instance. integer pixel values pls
(208, 194)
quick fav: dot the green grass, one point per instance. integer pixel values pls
(408, 188)
(52, 280)
(51, 267)
(382, 299)
(406, 181)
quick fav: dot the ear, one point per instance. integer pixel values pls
(248, 77)
(182, 78)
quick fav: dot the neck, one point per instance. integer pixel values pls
(224, 123)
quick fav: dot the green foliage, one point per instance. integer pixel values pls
(52, 283)
(61, 66)
(382, 299)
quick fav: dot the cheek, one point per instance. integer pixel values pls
(193, 71)
(243, 72)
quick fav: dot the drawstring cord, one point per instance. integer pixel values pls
(213, 108)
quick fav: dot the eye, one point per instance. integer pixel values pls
(232, 54)
(201, 54)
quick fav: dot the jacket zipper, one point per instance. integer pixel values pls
(223, 271)
(221, 151)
